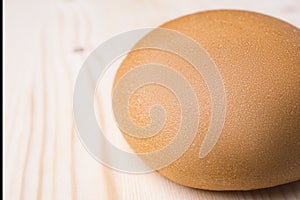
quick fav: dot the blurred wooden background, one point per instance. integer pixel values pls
(46, 44)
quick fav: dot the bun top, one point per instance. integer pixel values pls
(258, 58)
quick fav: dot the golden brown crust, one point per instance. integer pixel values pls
(258, 58)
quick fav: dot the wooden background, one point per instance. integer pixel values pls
(46, 44)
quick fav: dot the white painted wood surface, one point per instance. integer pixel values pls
(46, 44)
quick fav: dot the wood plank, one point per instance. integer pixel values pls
(47, 43)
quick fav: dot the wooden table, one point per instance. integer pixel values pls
(46, 44)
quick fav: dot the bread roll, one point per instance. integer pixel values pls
(258, 59)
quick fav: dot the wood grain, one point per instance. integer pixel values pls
(46, 44)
